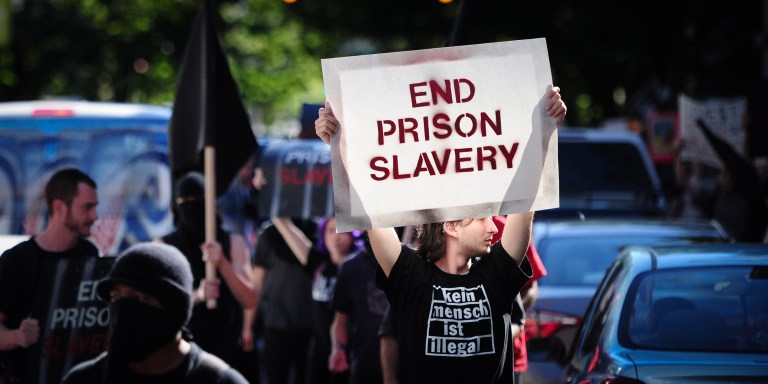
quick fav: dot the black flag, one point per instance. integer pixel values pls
(208, 110)
(463, 25)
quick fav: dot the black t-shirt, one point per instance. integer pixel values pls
(357, 296)
(20, 271)
(286, 298)
(323, 273)
(451, 327)
(216, 330)
(198, 367)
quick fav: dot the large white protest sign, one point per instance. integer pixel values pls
(442, 134)
(723, 116)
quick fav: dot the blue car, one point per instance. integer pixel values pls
(576, 254)
(680, 314)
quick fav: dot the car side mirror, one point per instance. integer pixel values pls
(546, 349)
(554, 348)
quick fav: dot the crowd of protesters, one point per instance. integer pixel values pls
(296, 302)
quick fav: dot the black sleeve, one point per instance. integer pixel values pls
(87, 372)
(262, 257)
(212, 369)
(388, 325)
(518, 311)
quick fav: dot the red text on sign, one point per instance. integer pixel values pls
(458, 91)
(439, 126)
(458, 160)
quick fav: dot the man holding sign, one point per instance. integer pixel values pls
(454, 320)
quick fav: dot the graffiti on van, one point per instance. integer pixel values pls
(123, 147)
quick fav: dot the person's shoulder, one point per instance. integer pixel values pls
(353, 260)
(409, 252)
(497, 250)
(409, 261)
(360, 260)
(20, 250)
(24, 245)
(497, 257)
(209, 368)
(89, 371)
(269, 232)
(87, 247)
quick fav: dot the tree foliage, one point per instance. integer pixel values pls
(610, 58)
(131, 50)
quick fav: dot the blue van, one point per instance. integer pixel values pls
(123, 147)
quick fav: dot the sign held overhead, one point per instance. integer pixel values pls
(442, 134)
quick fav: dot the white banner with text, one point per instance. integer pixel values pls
(442, 134)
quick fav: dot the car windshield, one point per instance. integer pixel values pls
(699, 309)
(582, 261)
(602, 167)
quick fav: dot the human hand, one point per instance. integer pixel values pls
(555, 105)
(246, 339)
(678, 146)
(28, 332)
(208, 290)
(326, 124)
(258, 181)
(337, 363)
(213, 253)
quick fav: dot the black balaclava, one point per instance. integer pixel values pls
(136, 328)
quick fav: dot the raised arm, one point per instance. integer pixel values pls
(384, 241)
(386, 247)
(517, 233)
(297, 241)
(517, 230)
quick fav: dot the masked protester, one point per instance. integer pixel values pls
(217, 330)
(149, 290)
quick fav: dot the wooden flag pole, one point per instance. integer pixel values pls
(210, 211)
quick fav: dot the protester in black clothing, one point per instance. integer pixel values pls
(740, 205)
(217, 330)
(388, 348)
(149, 290)
(284, 292)
(71, 199)
(321, 261)
(454, 321)
(359, 308)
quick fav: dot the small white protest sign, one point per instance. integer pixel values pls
(723, 116)
(442, 134)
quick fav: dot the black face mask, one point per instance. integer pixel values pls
(137, 329)
(192, 212)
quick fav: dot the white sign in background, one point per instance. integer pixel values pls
(724, 117)
(391, 165)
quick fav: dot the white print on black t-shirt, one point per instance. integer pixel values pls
(460, 323)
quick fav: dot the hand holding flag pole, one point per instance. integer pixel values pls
(208, 112)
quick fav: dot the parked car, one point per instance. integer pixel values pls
(681, 314)
(605, 173)
(576, 254)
